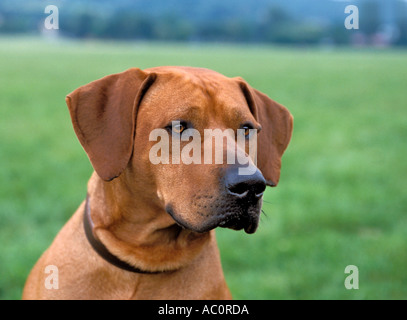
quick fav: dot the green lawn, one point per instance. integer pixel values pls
(341, 200)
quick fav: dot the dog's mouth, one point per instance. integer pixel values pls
(248, 221)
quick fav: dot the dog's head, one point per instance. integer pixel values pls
(186, 134)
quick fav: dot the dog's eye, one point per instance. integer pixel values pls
(247, 129)
(178, 127)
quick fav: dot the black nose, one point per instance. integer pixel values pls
(245, 185)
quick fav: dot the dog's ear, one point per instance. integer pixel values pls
(103, 115)
(277, 126)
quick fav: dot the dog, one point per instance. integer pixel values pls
(145, 230)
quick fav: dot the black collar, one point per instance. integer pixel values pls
(100, 248)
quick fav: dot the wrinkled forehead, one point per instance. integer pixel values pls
(190, 88)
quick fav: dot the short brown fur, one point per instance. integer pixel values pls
(113, 118)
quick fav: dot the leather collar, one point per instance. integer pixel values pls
(100, 248)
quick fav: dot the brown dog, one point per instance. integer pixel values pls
(146, 230)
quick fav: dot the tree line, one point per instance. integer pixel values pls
(276, 26)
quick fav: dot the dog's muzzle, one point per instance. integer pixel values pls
(237, 207)
(244, 200)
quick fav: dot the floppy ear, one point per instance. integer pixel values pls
(103, 115)
(277, 126)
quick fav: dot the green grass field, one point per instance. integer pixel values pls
(341, 200)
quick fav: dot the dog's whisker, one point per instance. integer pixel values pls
(264, 213)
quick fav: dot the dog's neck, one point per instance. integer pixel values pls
(142, 234)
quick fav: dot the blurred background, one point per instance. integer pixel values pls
(342, 196)
(382, 22)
